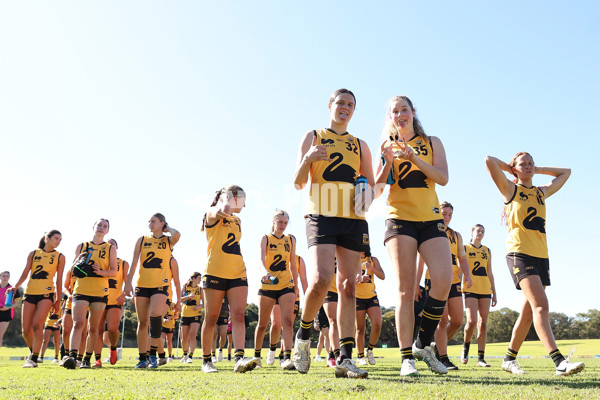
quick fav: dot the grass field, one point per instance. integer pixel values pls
(176, 380)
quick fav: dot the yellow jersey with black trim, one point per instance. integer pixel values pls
(366, 290)
(188, 306)
(155, 259)
(526, 219)
(95, 285)
(332, 182)
(412, 195)
(115, 284)
(43, 268)
(224, 253)
(478, 258)
(453, 239)
(277, 261)
(169, 323)
(51, 320)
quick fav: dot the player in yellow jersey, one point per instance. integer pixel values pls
(51, 331)
(44, 268)
(98, 261)
(154, 253)
(67, 321)
(335, 223)
(527, 251)
(191, 315)
(225, 273)
(278, 258)
(367, 304)
(168, 328)
(412, 163)
(479, 296)
(113, 311)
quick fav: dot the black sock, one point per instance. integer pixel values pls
(370, 347)
(98, 356)
(63, 351)
(432, 313)
(79, 357)
(206, 358)
(557, 357)
(480, 354)
(257, 353)
(331, 355)
(161, 355)
(466, 347)
(191, 355)
(153, 350)
(511, 355)
(143, 357)
(407, 353)
(34, 357)
(273, 347)
(346, 346)
(336, 353)
(113, 348)
(239, 354)
(287, 354)
(88, 356)
(73, 353)
(443, 358)
(304, 331)
(361, 355)
(281, 355)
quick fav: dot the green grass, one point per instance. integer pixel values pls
(176, 380)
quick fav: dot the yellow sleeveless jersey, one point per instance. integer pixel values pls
(51, 320)
(224, 254)
(332, 182)
(115, 284)
(43, 268)
(188, 307)
(169, 324)
(96, 286)
(453, 238)
(412, 194)
(278, 263)
(478, 264)
(526, 219)
(366, 290)
(155, 259)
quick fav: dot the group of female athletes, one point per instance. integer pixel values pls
(411, 163)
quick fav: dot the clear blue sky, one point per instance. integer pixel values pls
(122, 109)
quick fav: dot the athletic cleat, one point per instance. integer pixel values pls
(30, 364)
(244, 365)
(482, 363)
(371, 357)
(183, 358)
(69, 362)
(113, 357)
(427, 355)
(464, 357)
(408, 368)
(512, 367)
(220, 355)
(152, 362)
(331, 363)
(450, 365)
(318, 358)
(258, 362)
(347, 369)
(188, 360)
(287, 365)
(162, 361)
(301, 358)
(169, 359)
(213, 359)
(566, 367)
(40, 360)
(97, 364)
(55, 361)
(209, 368)
(61, 363)
(141, 365)
(85, 364)
(361, 361)
(271, 357)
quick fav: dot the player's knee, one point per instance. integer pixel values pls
(155, 327)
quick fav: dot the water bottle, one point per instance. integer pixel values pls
(272, 280)
(360, 185)
(9, 299)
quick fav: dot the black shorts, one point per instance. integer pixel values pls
(322, 319)
(275, 294)
(149, 292)
(521, 265)
(421, 231)
(5, 316)
(222, 321)
(186, 321)
(223, 284)
(352, 234)
(36, 298)
(51, 328)
(90, 299)
(477, 296)
(332, 297)
(168, 330)
(455, 291)
(365, 304)
(108, 307)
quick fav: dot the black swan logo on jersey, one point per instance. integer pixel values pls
(151, 261)
(112, 283)
(327, 141)
(479, 270)
(411, 179)
(39, 273)
(471, 254)
(533, 222)
(37, 258)
(273, 246)
(146, 244)
(523, 196)
(278, 263)
(338, 172)
(231, 246)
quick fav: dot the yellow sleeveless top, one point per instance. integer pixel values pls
(170, 324)
(155, 260)
(526, 219)
(412, 195)
(278, 263)
(478, 263)
(224, 253)
(453, 238)
(96, 286)
(366, 290)
(43, 268)
(187, 310)
(332, 182)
